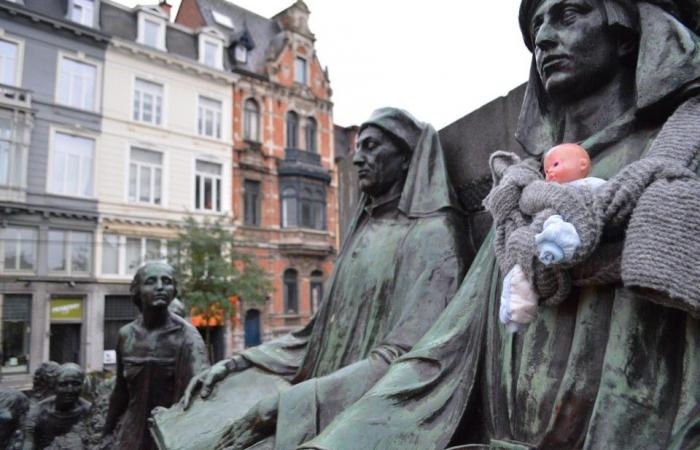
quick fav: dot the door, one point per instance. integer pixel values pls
(64, 345)
(252, 328)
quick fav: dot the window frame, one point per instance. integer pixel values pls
(299, 62)
(138, 95)
(288, 284)
(310, 195)
(17, 151)
(316, 282)
(122, 262)
(144, 16)
(218, 120)
(27, 339)
(152, 167)
(68, 252)
(311, 135)
(292, 132)
(216, 197)
(254, 196)
(5, 242)
(81, 4)
(240, 53)
(19, 60)
(53, 131)
(249, 114)
(79, 58)
(208, 38)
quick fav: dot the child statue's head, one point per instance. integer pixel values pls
(566, 162)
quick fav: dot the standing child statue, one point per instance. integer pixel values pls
(157, 354)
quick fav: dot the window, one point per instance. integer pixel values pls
(12, 152)
(122, 255)
(251, 202)
(209, 118)
(145, 176)
(19, 249)
(71, 165)
(304, 206)
(316, 290)
(211, 52)
(291, 294)
(9, 53)
(222, 19)
(289, 208)
(142, 249)
(241, 53)
(119, 311)
(292, 129)
(82, 11)
(207, 186)
(70, 251)
(251, 121)
(16, 324)
(152, 32)
(76, 86)
(148, 102)
(311, 135)
(300, 70)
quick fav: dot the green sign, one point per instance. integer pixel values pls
(66, 309)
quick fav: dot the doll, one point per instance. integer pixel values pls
(558, 241)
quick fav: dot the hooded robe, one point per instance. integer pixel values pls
(607, 368)
(399, 267)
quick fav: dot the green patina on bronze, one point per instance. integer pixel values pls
(607, 368)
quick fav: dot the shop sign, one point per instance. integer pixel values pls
(66, 309)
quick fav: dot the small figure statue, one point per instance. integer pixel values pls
(177, 307)
(157, 355)
(57, 415)
(44, 381)
(13, 407)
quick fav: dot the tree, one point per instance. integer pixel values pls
(210, 272)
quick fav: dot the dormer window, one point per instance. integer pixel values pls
(211, 49)
(151, 30)
(301, 71)
(241, 54)
(83, 12)
(222, 19)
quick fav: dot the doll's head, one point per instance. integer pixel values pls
(566, 162)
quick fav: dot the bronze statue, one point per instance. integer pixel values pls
(157, 354)
(402, 262)
(612, 362)
(57, 415)
(13, 408)
(44, 380)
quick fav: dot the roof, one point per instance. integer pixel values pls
(265, 33)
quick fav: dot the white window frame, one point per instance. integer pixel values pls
(122, 270)
(305, 82)
(141, 32)
(220, 118)
(152, 167)
(18, 150)
(202, 175)
(87, 20)
(206, 38)
(241, 53)
(52, 155)
(4, 243)
(135, 94)
(81, 59)
(68, 252)
(19, 62)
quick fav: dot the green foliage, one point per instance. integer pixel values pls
(210, 271)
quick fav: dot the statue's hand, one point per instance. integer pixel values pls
(257, 424)
(205, 381)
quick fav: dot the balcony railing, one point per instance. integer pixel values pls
(302, 156)
(15, 97)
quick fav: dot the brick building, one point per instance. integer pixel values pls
(283, 186)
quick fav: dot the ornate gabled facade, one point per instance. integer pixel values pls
(284, 185)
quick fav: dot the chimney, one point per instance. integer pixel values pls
(166, 7)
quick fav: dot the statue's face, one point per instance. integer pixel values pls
(68, 387)
(157, 287)
(380, 162)
(575, 51)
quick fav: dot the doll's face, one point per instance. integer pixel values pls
(565, 163)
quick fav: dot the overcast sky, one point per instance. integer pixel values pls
(438, 59)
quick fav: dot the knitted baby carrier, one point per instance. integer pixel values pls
(653, 202)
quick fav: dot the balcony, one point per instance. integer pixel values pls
(301, 163)
(14, 97)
